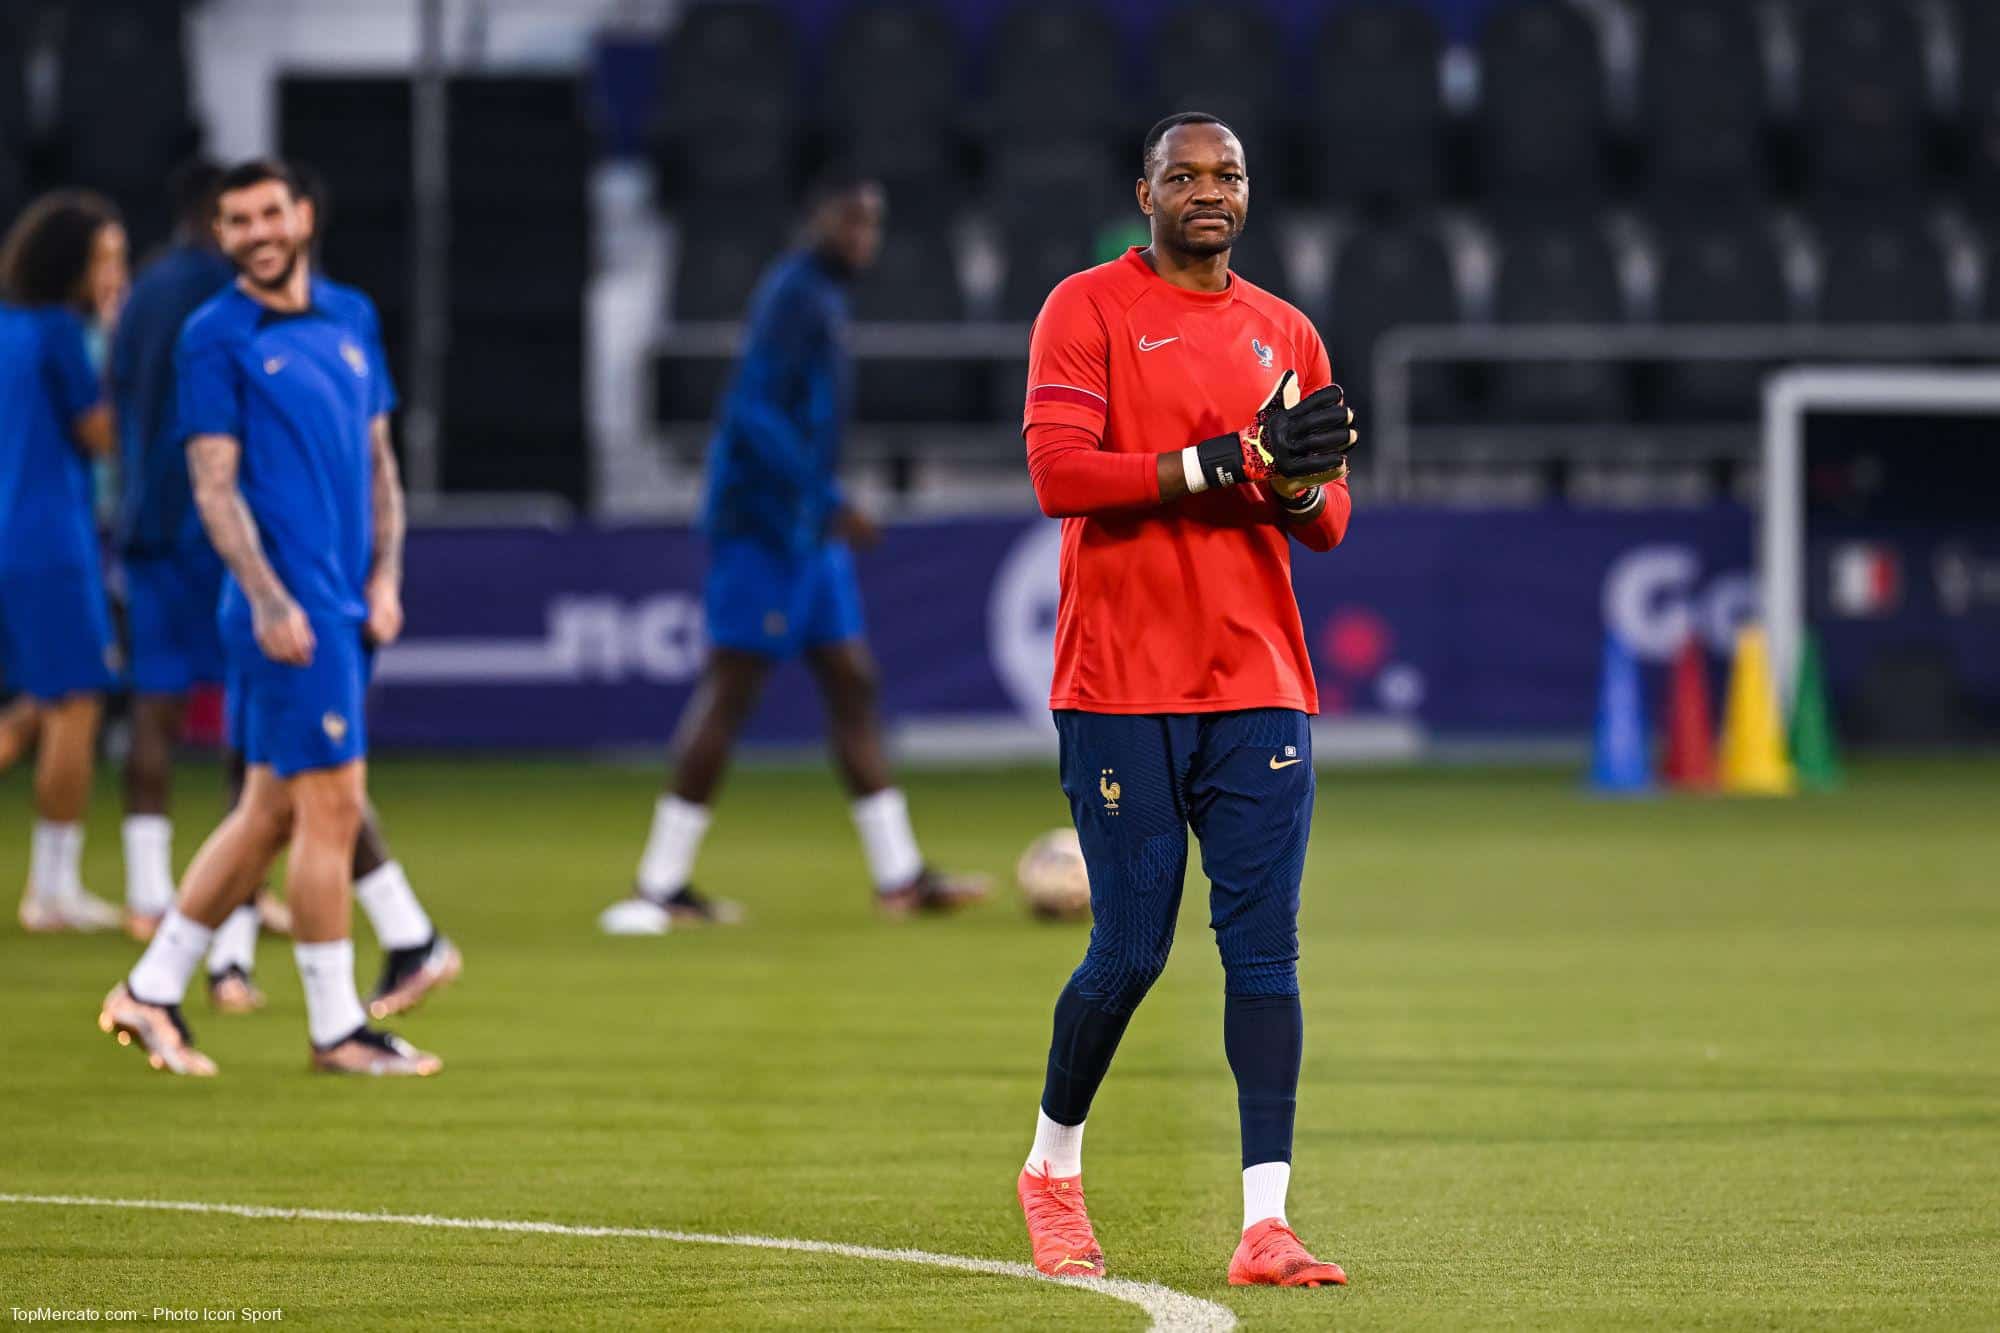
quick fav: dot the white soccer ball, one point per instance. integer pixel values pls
(1053, 877)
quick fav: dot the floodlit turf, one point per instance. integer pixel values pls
(1569, 1063)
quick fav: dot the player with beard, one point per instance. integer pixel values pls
(284, 401)
(1185, 427)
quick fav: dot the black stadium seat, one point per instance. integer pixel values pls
(1259, 253)
(1703, 102)
(916, 279)
(1558, 274)
(1979, 98)
(1058, 121)
(1862, 98)
(122, 107)
(1881, 271)
(1542, 119)
(891, 101)
(1222, 58)
(1037, 261)
(1384, 278)
(727, 125)
(1377, 118)
(1717, 272)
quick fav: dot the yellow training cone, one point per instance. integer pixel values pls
(1753, 739)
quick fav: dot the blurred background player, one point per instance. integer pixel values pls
(173, 586)
(63, 263)
(1183, 688)
(284, 396)
(781, 579)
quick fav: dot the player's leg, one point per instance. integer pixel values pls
(220, 878)
(58, 647)
(56, 898)
(156, 609)
(148, 829)
(20, 724)
(838, 656)
(1250, 800)
(1123, 776)
(416, 959)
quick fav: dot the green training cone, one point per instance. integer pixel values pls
(1815, 752)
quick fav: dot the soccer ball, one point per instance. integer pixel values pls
(1053, 877)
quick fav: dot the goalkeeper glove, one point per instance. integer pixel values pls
(1291, 441)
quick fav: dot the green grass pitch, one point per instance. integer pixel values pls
(1569, 1064)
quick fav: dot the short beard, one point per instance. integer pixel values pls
(276, 284)
(1204, 248)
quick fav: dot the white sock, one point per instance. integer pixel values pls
(668, 860)
(883, 821)
(333, 1008)
(392, 907)
(161, 976)
(55, 859)
(235, 943)
(1058, 1149)
(1264, 1187)
(149, 864)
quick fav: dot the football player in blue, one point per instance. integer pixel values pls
(284, 401)
(62, 263)
(173, 582)
(781, 580)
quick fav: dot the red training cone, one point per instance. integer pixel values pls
(1690, 760)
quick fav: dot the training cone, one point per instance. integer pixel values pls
(1690, 761)
(1753, 744)
(1815, 752)
(1620, 764)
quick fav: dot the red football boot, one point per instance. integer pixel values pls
(1058, 1225)
(1271, 1256)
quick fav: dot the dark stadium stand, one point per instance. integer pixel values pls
(1375, 140)
(1542, 119)
(1703, 105)
(1863, 98)
(727, 129)
(891, 103)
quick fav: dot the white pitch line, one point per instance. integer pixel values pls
(1171, 1311)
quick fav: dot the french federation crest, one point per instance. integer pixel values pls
(357, 361)
(1263, 353)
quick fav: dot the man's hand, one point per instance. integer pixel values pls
(855, 528)
(385, 611)
(283, 631)
(1293, 487)
(1304, 442)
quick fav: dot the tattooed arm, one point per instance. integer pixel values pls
(385, 579)
(282, 629)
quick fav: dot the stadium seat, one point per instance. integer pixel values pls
(1979, 99)
(1220, 58)
(1558, 273)
(1542, 125)
(727, 126)
(1716, 272)
(1862, 99)
(890, 102)
(1703, 102)
(916, 279)
(1037, 261)
(1375, 140)
(1881, 271)
(1260, 254)
(1057, 123)
(122, 107)
(1383, 278)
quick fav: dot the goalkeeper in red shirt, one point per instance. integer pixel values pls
(1185, 427)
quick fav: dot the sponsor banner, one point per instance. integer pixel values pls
(1445, 623)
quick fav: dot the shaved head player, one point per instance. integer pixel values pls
(1185, 427)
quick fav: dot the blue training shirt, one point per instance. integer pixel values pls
(156, 511)
(46, 383)
(776, 448)
(299, 393)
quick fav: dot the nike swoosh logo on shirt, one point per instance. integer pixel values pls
(1146, 346)
(1275, 762)
(274, 365)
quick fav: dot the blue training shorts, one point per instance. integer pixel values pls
(777, 603)
(55, 633)
(301, 718)
(1243, 782)
(170, 606)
